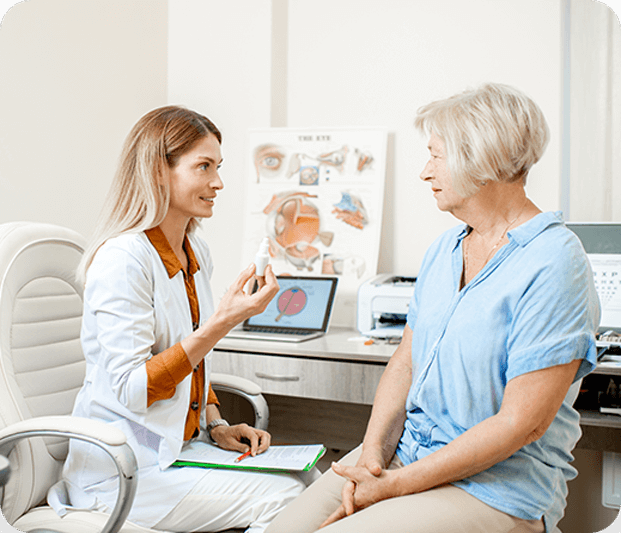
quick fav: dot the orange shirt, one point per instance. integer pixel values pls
(167, 369)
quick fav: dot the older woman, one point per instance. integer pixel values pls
(472, 424)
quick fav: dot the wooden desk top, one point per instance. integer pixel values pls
(339, 343)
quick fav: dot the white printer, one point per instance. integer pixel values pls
(383, 303)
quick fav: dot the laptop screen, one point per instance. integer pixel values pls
(301, 303)
(602, 243)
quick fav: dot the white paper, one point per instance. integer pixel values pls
(295, 458)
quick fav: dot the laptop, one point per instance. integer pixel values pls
(602, 243)
(300, 311)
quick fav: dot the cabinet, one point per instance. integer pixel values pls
(319, 390)
(304, 377)
(337, 367)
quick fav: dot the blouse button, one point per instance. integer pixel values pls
(194, 406)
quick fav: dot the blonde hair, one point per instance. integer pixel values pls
(139, 196)
(494, 133)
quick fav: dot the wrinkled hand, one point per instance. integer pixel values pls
(237, 305)
(373, 461)
(236, 438)
(364, 487)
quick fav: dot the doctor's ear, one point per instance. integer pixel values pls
(162, 176)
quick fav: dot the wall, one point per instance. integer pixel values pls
(595, 106)
(219, 61)
(74, 77)
(359, 63)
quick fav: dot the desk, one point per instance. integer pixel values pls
(332, 367)
(319, 390)
(338, 369)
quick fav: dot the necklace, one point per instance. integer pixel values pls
(493, 248)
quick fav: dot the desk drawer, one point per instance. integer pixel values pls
(307, 378)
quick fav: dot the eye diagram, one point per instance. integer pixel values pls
(351, 210)
(274, 162)
(293, 224)
(291, 302)
(309, 176)
(365, 160)
(335, 159)
(268, 160)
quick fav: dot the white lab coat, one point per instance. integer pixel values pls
(132, 310)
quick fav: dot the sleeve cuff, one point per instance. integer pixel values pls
(212, 398)
(165, 371)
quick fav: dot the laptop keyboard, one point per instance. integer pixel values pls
(280, 331)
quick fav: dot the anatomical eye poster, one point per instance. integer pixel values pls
(317, 195)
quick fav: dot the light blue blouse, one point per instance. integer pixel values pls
(533, 306)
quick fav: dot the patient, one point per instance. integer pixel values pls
(149, 325)
(472, 426)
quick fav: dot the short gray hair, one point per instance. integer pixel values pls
(494, 133)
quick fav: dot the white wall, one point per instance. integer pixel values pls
(375, 63)
(360, 63)
(594, 138)
(74, 77)
(219, 64)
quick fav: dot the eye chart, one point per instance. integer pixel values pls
(607, 275)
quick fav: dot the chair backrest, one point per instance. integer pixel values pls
(41, 362)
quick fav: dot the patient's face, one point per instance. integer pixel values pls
(438, 175)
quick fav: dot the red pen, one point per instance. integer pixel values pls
(242, 456)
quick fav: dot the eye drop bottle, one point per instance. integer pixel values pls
(262, 258)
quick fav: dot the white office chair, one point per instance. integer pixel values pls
(41, 371)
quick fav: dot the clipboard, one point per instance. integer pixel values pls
(289, 458)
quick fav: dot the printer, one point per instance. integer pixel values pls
(383, 303)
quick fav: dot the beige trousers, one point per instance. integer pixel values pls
(446, 509)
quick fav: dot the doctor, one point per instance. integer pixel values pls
(149, 326)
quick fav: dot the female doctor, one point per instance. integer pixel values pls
(149, 326)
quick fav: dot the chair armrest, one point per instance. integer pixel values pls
(68, 424)
(5, 470)
(235, 383)
(110, 439)
(246, 389)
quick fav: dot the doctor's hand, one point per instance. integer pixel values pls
(241, 438)
(237, 305)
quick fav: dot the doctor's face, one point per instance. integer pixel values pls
(438, 175)
(195, 180)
